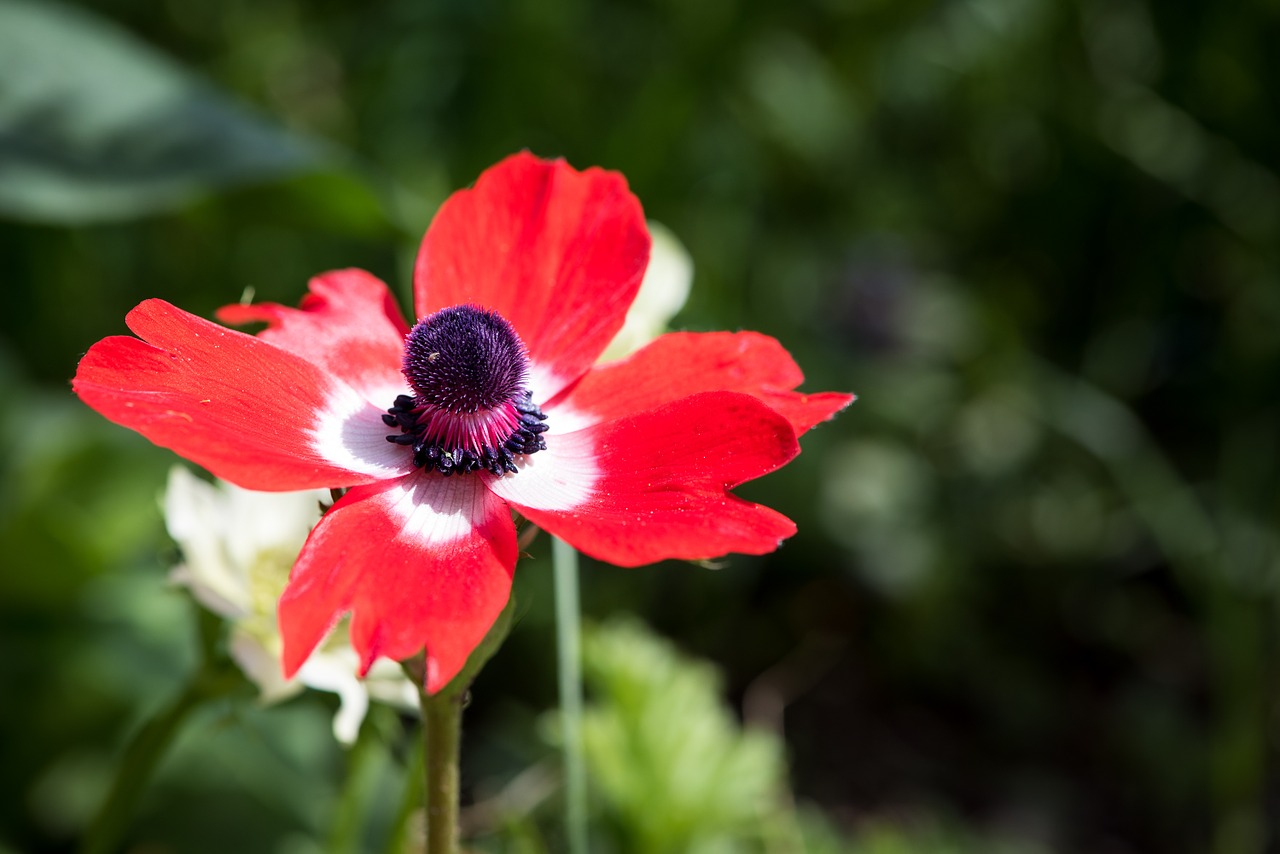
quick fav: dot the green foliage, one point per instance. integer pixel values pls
(99, 126)
(672, 768)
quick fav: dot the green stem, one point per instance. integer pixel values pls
(441, 742)
(358, 788)
(442, 734)
(569, 649)
(134, 771)
(215, 678)
(399, 838)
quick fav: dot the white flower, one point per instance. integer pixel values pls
(238, 547)
(662, 293)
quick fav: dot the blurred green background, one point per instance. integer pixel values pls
(1033, 602)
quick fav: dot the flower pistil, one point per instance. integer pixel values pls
(471, 408)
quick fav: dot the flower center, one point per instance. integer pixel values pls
(470, 408)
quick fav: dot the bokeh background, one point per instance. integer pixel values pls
(1033, 602)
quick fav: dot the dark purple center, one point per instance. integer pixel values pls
(470, 409)
(464, 359)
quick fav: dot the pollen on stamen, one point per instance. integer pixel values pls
(471, 408)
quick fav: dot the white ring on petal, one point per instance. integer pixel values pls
(567, 419)
(544, 383)
(350, 433)
(437, 509)
(562, 477)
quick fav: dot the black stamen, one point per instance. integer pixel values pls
(525, 439)
(466, 361)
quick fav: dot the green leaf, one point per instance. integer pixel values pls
(668, 759)
(95, 125)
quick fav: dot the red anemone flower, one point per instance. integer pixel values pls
(491, 402)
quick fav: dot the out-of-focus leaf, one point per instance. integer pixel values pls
(95, 125)
(672, 766)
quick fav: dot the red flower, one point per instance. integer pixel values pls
(491, 402)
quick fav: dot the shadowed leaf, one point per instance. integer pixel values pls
(95, 125)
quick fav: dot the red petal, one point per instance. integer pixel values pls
(557, 252)
(423, 561)
(683, 363)
(655, 485)
(349, 324)
(246, 410)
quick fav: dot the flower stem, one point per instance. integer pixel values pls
(134, 771)
(442, 734)
(441, 742)
(399, 839)
(216, 678)
(358, 787)
(569, 650)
